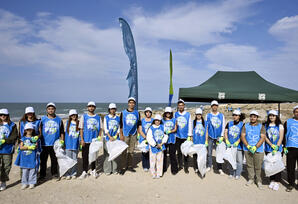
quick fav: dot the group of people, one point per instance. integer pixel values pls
(164, 135)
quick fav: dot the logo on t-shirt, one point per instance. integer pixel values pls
(168, 125)
(113, 125)
(181, 121)
(199, 130)
(272, 133)
(92, 124)
(216, 122)
(252, 138)
(27, 143)
(158, 135)
(72, 131)
(234, 131)
(4, 132)
(51, 127)
(294, 136)
(130, 119)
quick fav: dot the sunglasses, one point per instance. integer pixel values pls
(3, 115)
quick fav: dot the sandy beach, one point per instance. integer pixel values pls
(139, 187)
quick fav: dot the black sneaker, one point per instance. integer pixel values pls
(289, 189)
(186, 170)
(131, 169)
(122, 172)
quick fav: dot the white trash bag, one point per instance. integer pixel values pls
(143, 147)
(94, 150)
(273, 164)
(115, 148)
(64, 162)
(202, 158)
(230, 156)
(185, 147)
(194, 148)
(220, 152)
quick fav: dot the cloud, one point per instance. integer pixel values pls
(192, 23)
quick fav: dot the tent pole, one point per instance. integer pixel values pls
(279, 110)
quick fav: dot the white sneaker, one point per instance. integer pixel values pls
(146, 170)
(3, 186)
(154, 176)
(271, 185)
(31, 186)
(94, 174)
(24, 186)
(83, 175)
(275, 187)
(259, 184)
(68, 177)
(231, 176)
(249, 182)
(196, 171)
(208, 169)
(221, 172)
(157, 177)
(73, 177)
(237, 177)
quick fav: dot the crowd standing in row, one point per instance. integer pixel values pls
(164, 134)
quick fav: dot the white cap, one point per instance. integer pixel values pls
(4, 111)
(51, 104)
(168, 110)
(29, 110)
(157, 117)
(29, 126)
(214, 102)
(199, 111)
(254, 113)
(91, 103)
(180, 101)
(295, 108)
(148, 109)
(237, 112)
(112, 105)
(73, 112)
(131, 99)
(273, 112)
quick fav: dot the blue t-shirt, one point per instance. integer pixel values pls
(112, 125)
(5, 131)
(199, 133)
(182, 124)
(234, 133)
(253, 135)
(27, 158)
(215, 123)
(145, 126)
(35, 124)
(158, 134)
(292, 133)
(170, 125)
(72, 137)
(50, 130)
(91, 127)
(130, 122)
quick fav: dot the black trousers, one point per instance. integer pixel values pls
(292, 160)
(276, 177)
(195, 163)
(46, 151)
(171, 149)
(85, 155)
(178, 149)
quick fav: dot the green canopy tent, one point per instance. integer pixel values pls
(238, 87)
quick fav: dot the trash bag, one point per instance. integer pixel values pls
(65, 162)
(194, 148)
(273, 164)
(220, 151)
(94, 150)
(143, 147)
(115, 148)
(230, 155)
(202, 158)
(185, 147)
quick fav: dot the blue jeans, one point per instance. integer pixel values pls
(29, 176)
(74, 155)
(239, 166)
(211, 145)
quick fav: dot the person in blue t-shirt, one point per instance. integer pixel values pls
(51, 129)
(274, 137)
(253, 136)
(71, 141)
(129, 123)
(184, 131)
(29, 117)
(90, 128)
(291, 147)
(215, 125)
(233, 139)
(28, 157)
(143, 129)
(199, 134)
(170, 127)
(111, 130)
(8, 137)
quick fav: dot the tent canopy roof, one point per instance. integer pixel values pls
(238, 87)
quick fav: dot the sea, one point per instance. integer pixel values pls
(17, 110)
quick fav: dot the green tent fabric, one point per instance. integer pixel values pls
(238, 87)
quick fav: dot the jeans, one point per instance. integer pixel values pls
(239, 164)
(74, 155)
(29, 176)
(211, 145)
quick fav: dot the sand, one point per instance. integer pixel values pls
(139, 187)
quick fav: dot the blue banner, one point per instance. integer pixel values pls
(130, 50)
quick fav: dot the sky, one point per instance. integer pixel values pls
(72, 50)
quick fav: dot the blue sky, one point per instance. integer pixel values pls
(72, 51)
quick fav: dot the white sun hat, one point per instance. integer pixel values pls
(148, 109)
(199, 111)
(296, 107)
(273, 112)
(51, 104)
(214, 102)
(157, 117)
(112, 105)
(29, 126)
(237, 112)
(168, 110)
(131, 99)
(91, 103)
(4, 111)
(29, 110)
(73, 112)
(254, 112)
(180, 101)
